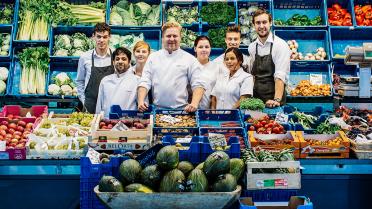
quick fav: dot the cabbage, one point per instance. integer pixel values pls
(141, 9)
(4, 72)
(2, 87)
(115, 19)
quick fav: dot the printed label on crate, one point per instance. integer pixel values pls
(183, 140)
(2, 146)
(271, 183)
(117, 146)
(316, 79)
(281, 117)
(321, 149)
(120, 126)
(93, 156)
(217, 140)
(169, 119)
(149, 156)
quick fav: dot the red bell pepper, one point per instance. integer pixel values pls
(358, 10)
(363, 15)
(339, 16)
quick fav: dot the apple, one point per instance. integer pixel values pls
(29, 125)
(22, 141)
(16, 136)
(22, 123)
(10, 116)
(5, 123)
(2, 132)
(19, 146)
(109, 126)
(13, 144)
(4, 127)
(9, 147)
(8, 136)
(20, 128)
(14, 141)
(11, 131)
(12, 125)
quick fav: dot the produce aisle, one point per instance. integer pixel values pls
(314, 152)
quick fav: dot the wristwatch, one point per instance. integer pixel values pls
(277, 100)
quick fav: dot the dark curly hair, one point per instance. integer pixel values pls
(102, 27)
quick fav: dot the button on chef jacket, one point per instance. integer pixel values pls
(168, 75)
(117, 89)
(209, 75)
(228, 90)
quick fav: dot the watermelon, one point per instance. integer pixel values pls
(110, 184)
(167, 158)
(129, 171)
(186, 167)
(224, 183)
(200, 166)
(216, 164)
(137, 188)
(172, 181)
(236, 167)
(197, 181)
(151, 176)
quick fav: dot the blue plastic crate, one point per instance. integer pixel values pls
(8, 82)
(7, 2)
(151, 36)
(346, 4)
(307, 204)
(173, 112)
(206, 24)
(7, 29)
(341, 38)
(150, 2)
(228, 132)
(360, 2)
(58, 67)
(183, 5)
(302, 72)
(308, 42)
(343, 70)
(89, 200)
(233, 151)
(207, 118)
(176, 133)
(192, 154)
(195, 29)
(94, 171)
(116, 113)
(270, 195)
(285, 9)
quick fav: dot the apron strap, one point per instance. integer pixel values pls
(256, 48)
(93, 58)
(271, 47)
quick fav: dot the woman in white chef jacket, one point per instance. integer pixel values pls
(141, 52)
(233, 86)
(119, 88)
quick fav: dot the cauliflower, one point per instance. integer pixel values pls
(54, 89)
(66, 90)
(61, 52)
(62, 79)
(4, 72)
(63, 42)
(77, 53)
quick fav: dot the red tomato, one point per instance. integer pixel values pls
(276, 130)
(251, 128)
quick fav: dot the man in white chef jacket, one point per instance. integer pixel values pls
(119, 88)
(167, 73)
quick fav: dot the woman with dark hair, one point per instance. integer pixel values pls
(202, 48)
(234, 85)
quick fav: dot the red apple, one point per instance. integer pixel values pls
(16, 136)
(12, 125)
(22, 141)
(29, 125)
(19, 146)
(2, 132)
(22, 123)
(4, 127)
(10, 116)
(20, 128)
(5, 123)
(11, 131)
(8, 136)
(14, 141)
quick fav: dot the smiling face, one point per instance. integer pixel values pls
(121, 63)
(102, 39)
(262, 25)
(141, 54)
(232, 39)
(172, 39)
(203, 50)
(231, 61)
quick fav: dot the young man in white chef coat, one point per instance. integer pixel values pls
(167, 73)
(119, 88)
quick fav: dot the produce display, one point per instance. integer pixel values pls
(169, 121)
(320, 53)
(305, 88)
(135, 14)
(217, 13)
(299, 20)
(248, 33)
(6, 14)
(74, 45)
(15, 133)
(218, 173)
(224, 134)
(127, 41)
(327, 128)
(274, 142)
(363, 14)
(307, 121)
(35, 65)
(88, 14)
(187, 38)
(63, 85)
(217, 37)
(252, 104)
(4, 44)
(330, 142)
(266, 126)
(4, 73)
(78, 119)
(130, 123)
(338, 16)
(183, 15)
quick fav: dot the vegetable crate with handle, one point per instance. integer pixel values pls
(181, 135)
(78, 43)
(126, 21)
(8, 65)
(151, 36)
(285, 9)
(6, 30)
(7, 3)
(131, 139)
(294, 202)
(323, 145)
(206, 23)
(275, 142)
(183, 5)
(309, 41)
(220, 118)
(297, 126)
(341, 38)
(70, 68)
(232, 149)
(345, 4)
(18, 111)
(266, 180)
(187, 151)
(227, 133)
(304, 75)
(367, 4)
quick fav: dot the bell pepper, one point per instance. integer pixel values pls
(336, 7)
(366, 8)
(363, 14)
(368, 15)
(339, 16)
(358, 10)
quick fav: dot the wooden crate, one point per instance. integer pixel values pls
(361, 146)
(324, 151)
(133, 139)
(258, 181)
(255, 143)
(362, 154)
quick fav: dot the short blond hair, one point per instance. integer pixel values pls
(170, 24)
(141, 44)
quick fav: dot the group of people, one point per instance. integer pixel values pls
(173, 78)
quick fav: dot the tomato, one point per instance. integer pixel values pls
(330, 10)
(258, 125)
(263, 123)
(251, 128)
(270, 125)
(276, 130)
(268, 130)
(358, 10)
(266, 117)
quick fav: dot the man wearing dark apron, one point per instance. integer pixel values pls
(270, 67)
(93, 66)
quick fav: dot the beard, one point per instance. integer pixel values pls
(265, 35)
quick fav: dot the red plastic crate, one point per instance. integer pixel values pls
(36, 111)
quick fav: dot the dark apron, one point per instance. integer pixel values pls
(263, 71)
(91, 91)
